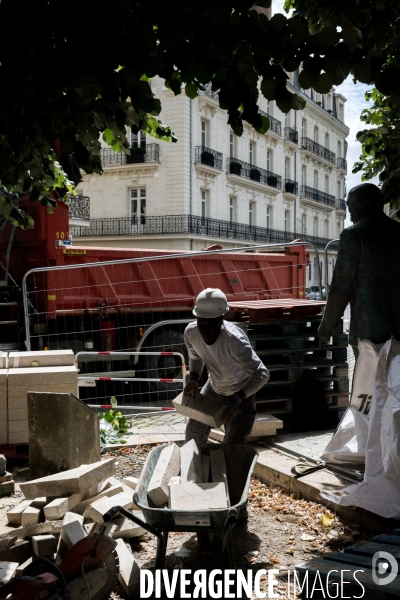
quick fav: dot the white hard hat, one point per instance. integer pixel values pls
(211, 303)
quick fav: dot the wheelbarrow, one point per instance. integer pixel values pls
(240, 461)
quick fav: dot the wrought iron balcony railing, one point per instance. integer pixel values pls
(152, 154)
(340, 204)
(275, 125)
(79, 207)
(291, 187)
(206, 156)
(291, 135)
(192, 224)
(209, 92)
(317, 149)
(317, 196)
(341, 163)
(234, 166)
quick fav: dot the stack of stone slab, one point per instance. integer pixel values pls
(59, 510)
(23, 372)
(7, 484)
(184, 479)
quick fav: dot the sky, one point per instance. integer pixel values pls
(355, 94)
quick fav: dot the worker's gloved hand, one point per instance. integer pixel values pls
(323, 335)
(232, 407)
(191, 388)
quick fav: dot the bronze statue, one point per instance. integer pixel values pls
(367, 272)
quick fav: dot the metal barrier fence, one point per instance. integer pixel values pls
(136, 311)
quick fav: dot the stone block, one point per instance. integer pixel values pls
(30, 516)
(3, 422)
(3, 437)
(37, 358)
(76, 499)
(18, 437)
(175, 480)
(168, 465)
(107, 493)
(22, 569)
(38, 376)
(129, 572)
(128, 529)
(113, 481)
(198, 496)
(3, 402)
(68, 482)
(98, 509)
(19, 552)
(63, 433)
(6, 477)
(14, 515)
(70, 517)
(130, 482)
(39, 502)
(191, 463)
(56, 509)
(3, 361)
(18, 414)
(205, 461)
(18, 393)
(71, 533)
(44, 545)
(3, 464)
(201, 408)
(7, 571)
(7, 488)
(18, 426)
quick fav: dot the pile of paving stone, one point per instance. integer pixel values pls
(61, 509)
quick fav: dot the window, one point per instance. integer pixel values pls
(231, 209)
(231, 145)
(341, 112)
(327, 141)
(327, 184)
(326, 229)
(339, 150)
(251, 153)
(339, 190)
(138, 206)
(268, 223)
(287, 220)
(269, 160)
(315, 227)
(203, 207)
(250, 213)
(338, 229)
(303, 128)
(287, 168)
(316, 133)
(315, 180)
(138, 140)
(203, 133)
(303, 175)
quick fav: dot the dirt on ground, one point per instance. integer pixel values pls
(281, 531)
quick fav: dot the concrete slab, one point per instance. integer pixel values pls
(191, 463)
(23, 568)
(130, 482)
(106, 493)
(168, 465)
(264, 425)
(44, 545)
(7, 571)
(71, 533)
(69, 482)
(56, 509)
(30, 516)
(41, 376)
(70, 517)
(128, 529)
(201, 408)
(98, 509)
(7, 488)
(37, 358)
(198, 496)
(14, 515)
(129, 572)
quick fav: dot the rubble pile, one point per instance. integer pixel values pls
(185, 479)
(61, 509)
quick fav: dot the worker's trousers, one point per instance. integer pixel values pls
(236, 431)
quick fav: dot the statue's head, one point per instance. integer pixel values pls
(364, 200)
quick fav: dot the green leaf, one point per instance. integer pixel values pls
(191, 90)
(265, 125)
(268, 88)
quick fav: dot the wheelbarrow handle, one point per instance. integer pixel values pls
(232, 516)
(118, 509)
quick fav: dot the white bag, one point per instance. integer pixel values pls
(380, 490)
(348, 443)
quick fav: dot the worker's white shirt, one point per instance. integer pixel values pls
(231, 361)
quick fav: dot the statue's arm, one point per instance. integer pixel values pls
(342, 286)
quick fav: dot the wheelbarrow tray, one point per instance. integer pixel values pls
(240, 461)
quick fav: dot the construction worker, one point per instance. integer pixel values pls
(235, 372)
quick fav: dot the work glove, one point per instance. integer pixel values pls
(191, 388)
(232, 408)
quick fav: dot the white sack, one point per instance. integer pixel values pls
(380, 490)
(348, 443)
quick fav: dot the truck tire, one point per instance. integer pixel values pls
(166, 367)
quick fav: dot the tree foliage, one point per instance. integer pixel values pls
(80, 70)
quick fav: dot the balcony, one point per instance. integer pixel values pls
(291, 135)
(341, 163)
(275, 125)
(340, 205)
(209, 92)
(291, 187)
(192, 225)
(237, 167)
(151, 155)
(79, 208)
(317, 149)
(208, 157)
(317, 196)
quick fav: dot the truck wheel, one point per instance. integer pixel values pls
(166, 367)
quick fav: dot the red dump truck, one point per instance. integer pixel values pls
(103, 299)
